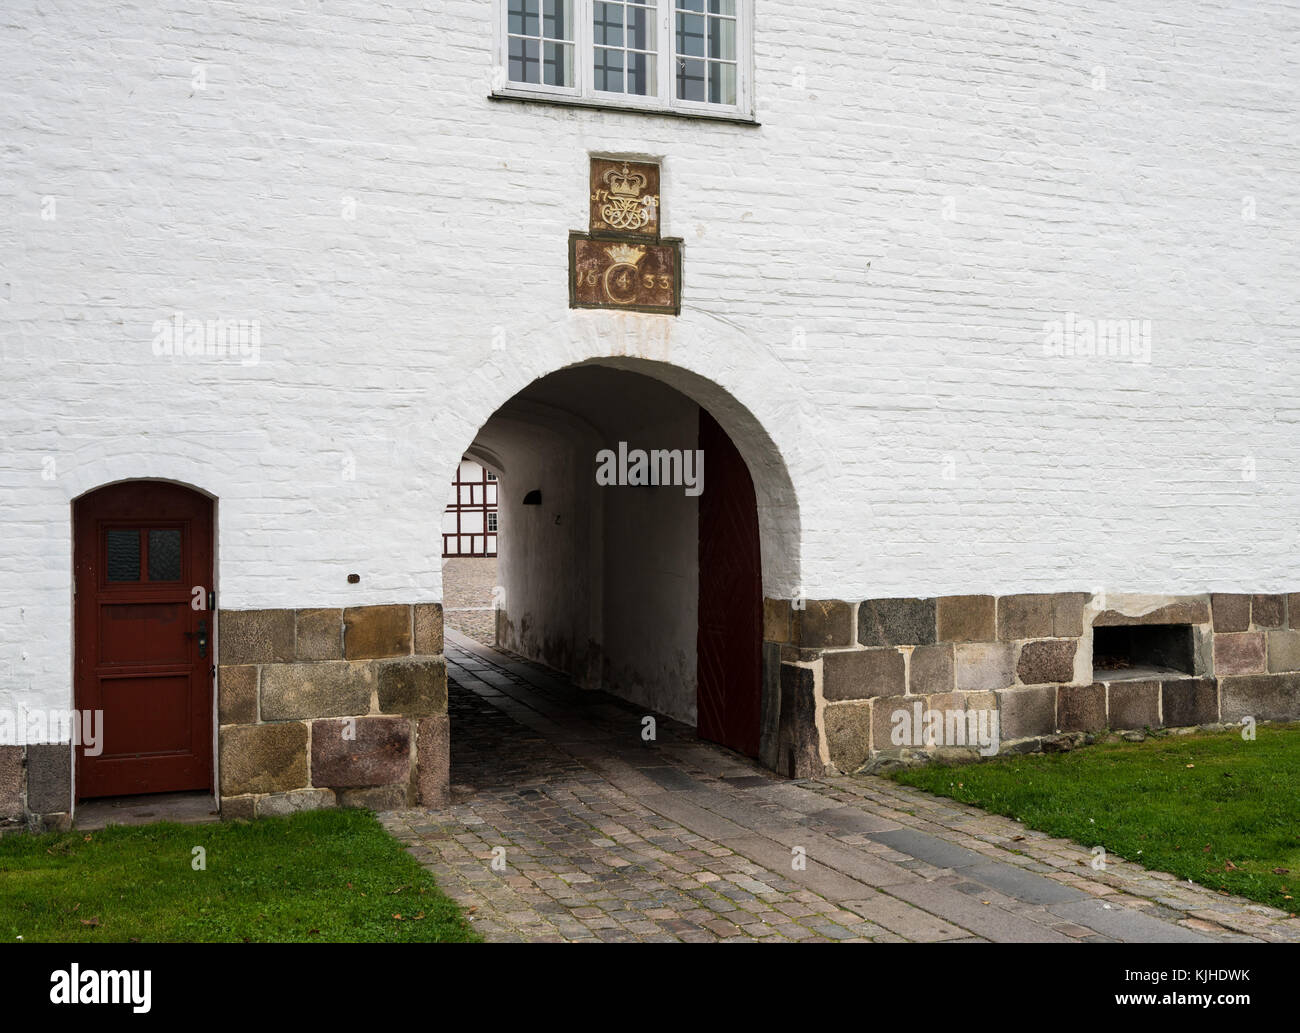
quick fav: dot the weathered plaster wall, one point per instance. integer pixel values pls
(868, 274)
(599, 581)
(651, 570)
(549, 557)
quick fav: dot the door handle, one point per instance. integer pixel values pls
(203, 638)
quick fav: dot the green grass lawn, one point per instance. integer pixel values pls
(332, 875)
(1212, 808)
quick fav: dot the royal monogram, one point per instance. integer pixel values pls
(624, 197)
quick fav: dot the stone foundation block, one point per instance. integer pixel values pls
(958, 731)
(1283, 651)
(319, 635)
(1025, 712)
(11, 782)
(1048, 661)
(238, 808)
(361, 752)
(1241, 653)
(931, 669)
(376, 798)
(824, 623)
(1024, 616)
(966, 618)
(896, 622)
(371, 632)
(848, 734)
(883, 723)
(1067, 614)
(799, 741)
(60, 821)
(1081, 708)
(237, 694)
(433, 761)
(1293, 610)
(263, 758)
(49, 778)
(328, 688)
(1265, 697)
(1187, 611)
(1189, 701)
(769, 706)
(777, 623)
(1133, 704)
(983, 666)
(1268, 611)
(428, 629)
(255, 636)
(280, 804)
(863, 673)
(413, 687)
(1230, 612)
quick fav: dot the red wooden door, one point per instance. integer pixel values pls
(729, 644)
(143, 651)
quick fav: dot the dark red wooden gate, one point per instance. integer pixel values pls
(730, 639)
(143, 651)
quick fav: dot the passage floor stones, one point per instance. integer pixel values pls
(597, 835)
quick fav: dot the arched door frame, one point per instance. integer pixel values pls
(183, 608)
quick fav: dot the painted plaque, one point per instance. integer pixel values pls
(624, 197)
(640, 276)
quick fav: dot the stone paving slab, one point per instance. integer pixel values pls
(921, 845)
(976, 914)
(564, 827)
(1127, 924)
(1023, 885)
(852, 820)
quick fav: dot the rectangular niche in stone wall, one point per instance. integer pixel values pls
(1142, 651)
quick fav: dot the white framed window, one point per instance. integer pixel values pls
(689, 56)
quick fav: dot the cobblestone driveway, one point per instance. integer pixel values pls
(600, 837)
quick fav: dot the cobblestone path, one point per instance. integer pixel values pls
(598, 836)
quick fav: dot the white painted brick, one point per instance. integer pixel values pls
(924, 335)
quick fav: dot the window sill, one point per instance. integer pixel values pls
(629, 109)
(1139, 672)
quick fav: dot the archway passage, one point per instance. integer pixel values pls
(619, 565)
(143, 554)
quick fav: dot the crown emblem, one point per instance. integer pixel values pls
(625, 254)
(624, 182)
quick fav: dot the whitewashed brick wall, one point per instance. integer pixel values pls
(930, 183)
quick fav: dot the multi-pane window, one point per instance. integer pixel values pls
(706, 51)
(685, 54)
(540, 41)
(469, 524)
(126, 560)
(623, 37)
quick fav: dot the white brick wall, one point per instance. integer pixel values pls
(923, 333)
